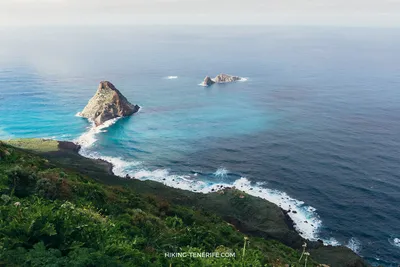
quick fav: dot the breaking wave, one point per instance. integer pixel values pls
(306, 220)
(395, 242)
(221, 172)
(354, 244)
(89, 137)
(331, 241)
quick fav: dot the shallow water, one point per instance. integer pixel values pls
(315, 128)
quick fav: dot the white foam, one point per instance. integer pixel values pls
(331, 241)
(89, 137)
(221, 172)
(243, 79)
(354, 244)
(307, 222)
(395, 242)
(172, 77)
(120, 167)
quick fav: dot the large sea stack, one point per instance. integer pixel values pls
(108, 103)
(221, 78)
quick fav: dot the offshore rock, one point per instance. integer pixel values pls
(221, 78)
(225, 78)
(207, 81)
(108, 103)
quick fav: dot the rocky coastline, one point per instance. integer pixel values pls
(284, 229)
(68, 147)
(248, 214)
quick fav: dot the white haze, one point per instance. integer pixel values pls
(200, 12)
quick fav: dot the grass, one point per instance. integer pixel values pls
(34, 144)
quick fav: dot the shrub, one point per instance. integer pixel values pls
(101, 225)
(45, 188)
(22, 181)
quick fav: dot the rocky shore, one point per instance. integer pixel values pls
(250, 215)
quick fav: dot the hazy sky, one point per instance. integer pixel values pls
(281, 12)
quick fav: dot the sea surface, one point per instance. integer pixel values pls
(314, 126)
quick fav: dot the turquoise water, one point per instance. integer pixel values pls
(316, 125)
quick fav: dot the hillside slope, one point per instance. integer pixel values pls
(60, 209)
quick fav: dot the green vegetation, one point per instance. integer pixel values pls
(52, 216)
(35, 144)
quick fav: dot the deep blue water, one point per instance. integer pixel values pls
(318, 118)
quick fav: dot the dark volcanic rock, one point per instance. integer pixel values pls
(207, 81)
(108, 103)
(337, 256)
(106, 165)
(69, 146)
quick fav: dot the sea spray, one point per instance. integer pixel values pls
(221, 172)
(354, 244)
(120, 167)
(395, 241)
(86, 140)
(306, 220)
(89, 138)
(331, 241)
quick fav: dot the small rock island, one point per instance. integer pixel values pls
(221, 78)
(108, 103)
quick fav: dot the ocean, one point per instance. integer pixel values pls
(314, 127)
